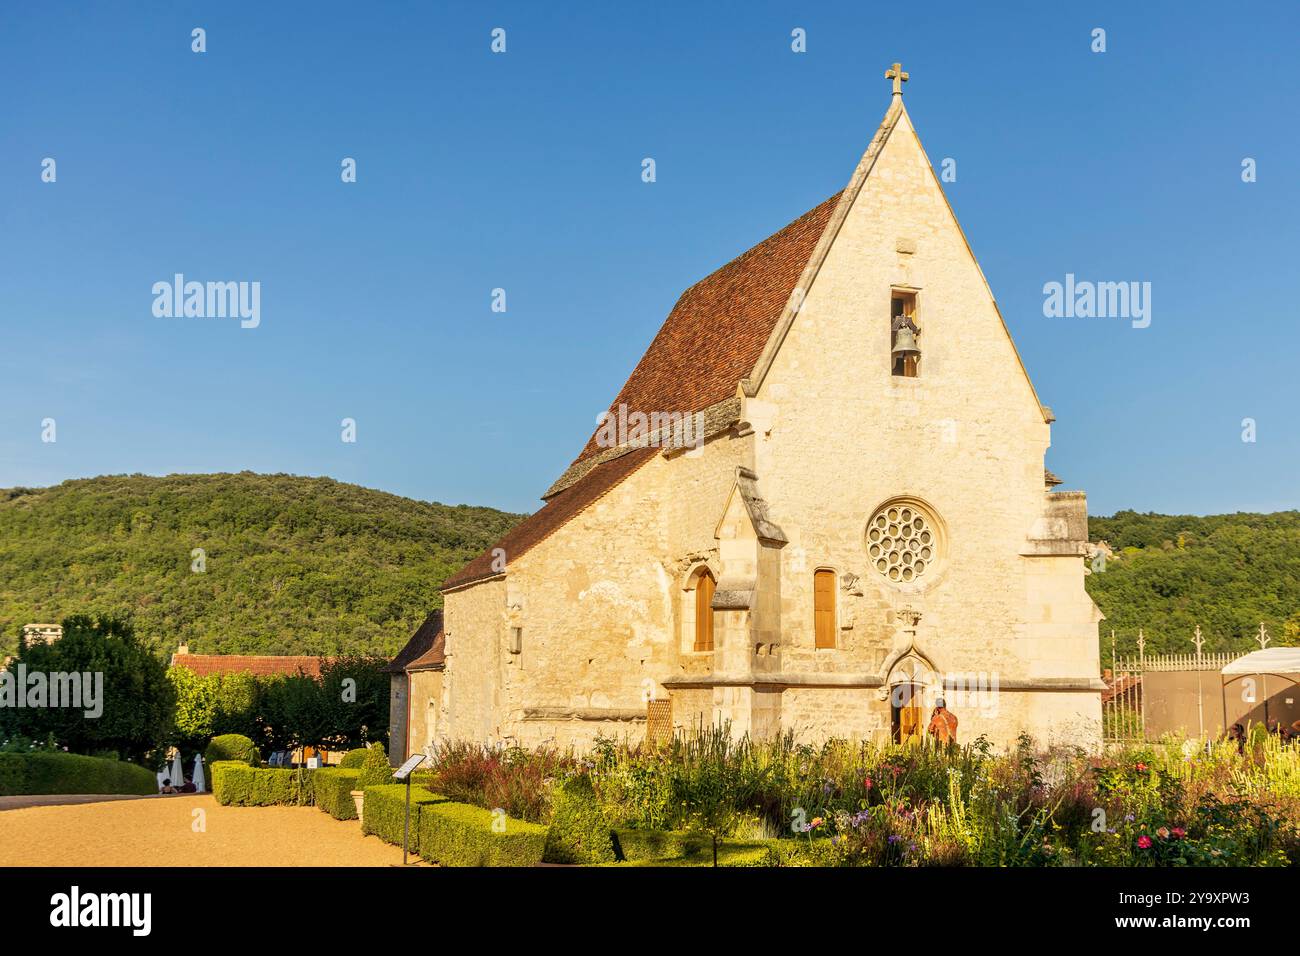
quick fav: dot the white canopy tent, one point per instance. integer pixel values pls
(1271, 660)
(1280, 663)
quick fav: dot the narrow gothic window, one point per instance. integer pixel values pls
(704, 587)
(824, 607)
(904, 352)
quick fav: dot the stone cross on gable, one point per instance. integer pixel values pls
(896, 74)
(1262, 637)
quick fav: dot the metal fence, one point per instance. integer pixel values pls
(1123, 704)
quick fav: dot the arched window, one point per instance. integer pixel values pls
(824, 607)
(704, 587)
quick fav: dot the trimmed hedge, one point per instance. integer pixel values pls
(232, 747)
(239, 785)
(384, 812)
(52, 772)
(353, 759)
(580, 831)
(375, 769)
(640, 846)
(457, 834)
(332, 789)
(761, 854)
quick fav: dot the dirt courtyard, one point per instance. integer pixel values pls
(166, 831)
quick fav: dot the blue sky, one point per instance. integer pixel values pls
(522, 171)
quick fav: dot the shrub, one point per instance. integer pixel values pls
(457, 834)
(514, 779)
(332, 791)
(635, 846)
(385, 812)
(57, 772)
(353, 759)
(137, 700)
(375, 771)
(232, 747)
(579, 832)
(237, 784)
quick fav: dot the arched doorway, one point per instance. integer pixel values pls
(909, 681)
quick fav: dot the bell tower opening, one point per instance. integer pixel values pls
(904, 352)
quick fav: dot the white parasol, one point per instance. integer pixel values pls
(200, 784)
(178, 772)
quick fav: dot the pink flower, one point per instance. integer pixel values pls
(1141, 766)
(867, 783)
(1144, 842)
(1179, 833)
(1163, 833)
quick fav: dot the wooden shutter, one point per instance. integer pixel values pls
(704, 612)
(824, 607)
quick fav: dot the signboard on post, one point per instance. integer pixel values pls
(404, 771)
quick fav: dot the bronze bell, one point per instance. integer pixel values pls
(905, 343)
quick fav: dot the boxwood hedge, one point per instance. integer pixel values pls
(332, 790)
(636, 846)
(239, 785)
(47, 772)
(457, 834)
(384, 813)
(232, 747)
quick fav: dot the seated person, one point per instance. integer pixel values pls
(187, 787)
(167, 786)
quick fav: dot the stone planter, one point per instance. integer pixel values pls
(359, 796)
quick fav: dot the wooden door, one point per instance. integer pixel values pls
(906, 705)
(824, 607)
(704, 588)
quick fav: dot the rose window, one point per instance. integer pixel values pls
(902, 542)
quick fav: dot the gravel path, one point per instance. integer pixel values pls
(160, 831)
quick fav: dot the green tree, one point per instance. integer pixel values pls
(138, 701)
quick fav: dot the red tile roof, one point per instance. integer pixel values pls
(426, 639)
(255, 664)
(434, 659)
(554, 514)
(710, 341)
(718, 328)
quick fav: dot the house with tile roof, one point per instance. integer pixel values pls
(861, 524)
(259, 665)
(415, 694)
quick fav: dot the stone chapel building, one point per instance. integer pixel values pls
(862, 523)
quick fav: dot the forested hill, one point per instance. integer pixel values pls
(290, 565)
(314, 566)
(1226, 573)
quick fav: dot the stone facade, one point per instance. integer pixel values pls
(582, 629)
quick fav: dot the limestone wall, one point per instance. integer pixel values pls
(840, 435)
(602, 607)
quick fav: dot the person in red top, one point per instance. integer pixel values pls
(943, 724)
